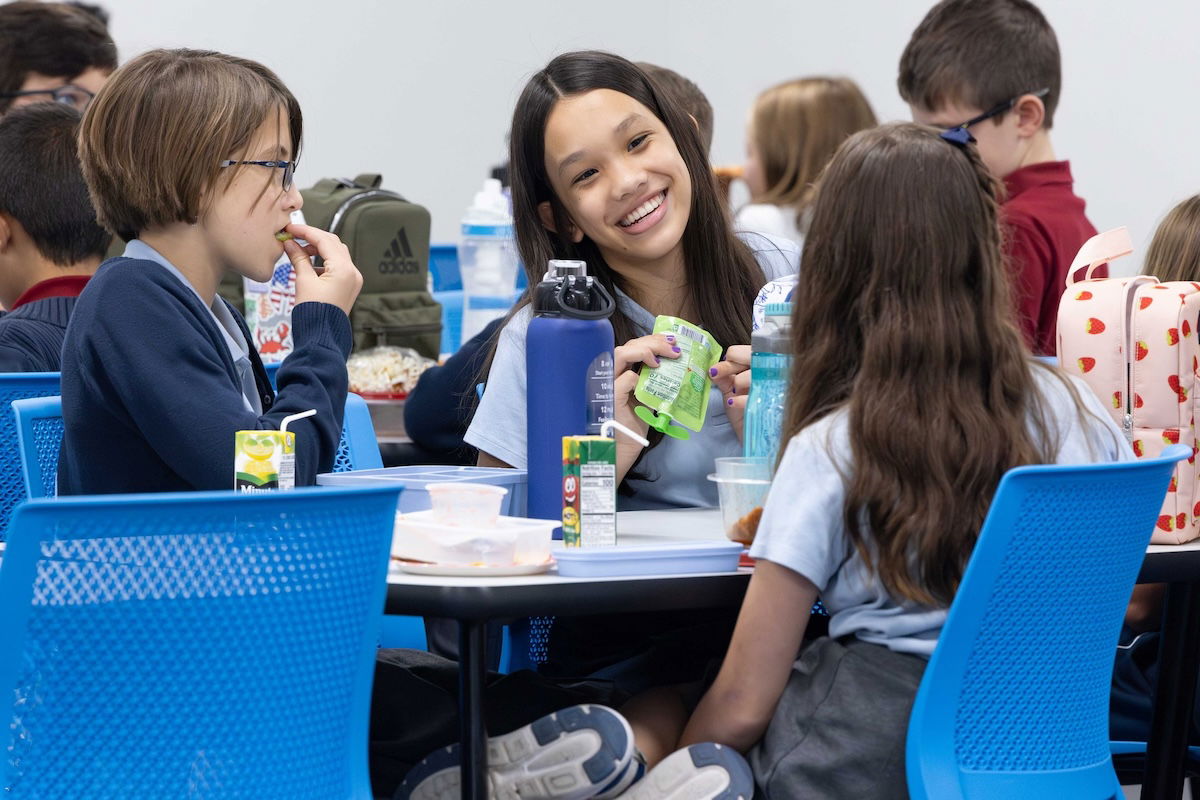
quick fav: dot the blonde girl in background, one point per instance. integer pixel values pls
(793, 131)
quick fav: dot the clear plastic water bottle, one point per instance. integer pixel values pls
(487, 259)
(770, 365)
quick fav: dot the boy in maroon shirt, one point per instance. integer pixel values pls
(991, 69)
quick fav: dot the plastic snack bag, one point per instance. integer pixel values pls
(677, 390)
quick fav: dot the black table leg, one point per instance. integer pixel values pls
(1178, 665)
(472, 732)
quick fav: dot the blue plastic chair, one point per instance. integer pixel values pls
(16, 386)
(40, 430)
(1014, 702)
(39, 439)
(443, 267)
(199, 644)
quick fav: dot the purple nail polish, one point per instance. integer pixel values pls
(671, 339)
(712, 372)
(729, 402)
(676, 349)
(657, 360)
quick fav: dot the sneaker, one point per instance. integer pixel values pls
(704, 771)
(577, 753)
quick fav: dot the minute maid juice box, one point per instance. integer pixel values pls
(677, 389)
(264, 460)
(589, 491)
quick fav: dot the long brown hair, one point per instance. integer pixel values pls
(903, 317)
(1174, 253)
(797, 127)
(722, 275)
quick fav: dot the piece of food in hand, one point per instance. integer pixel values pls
(284, 236)
(745, 528)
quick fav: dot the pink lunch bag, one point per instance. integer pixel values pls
(1134, 341)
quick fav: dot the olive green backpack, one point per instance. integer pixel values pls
(388, 239)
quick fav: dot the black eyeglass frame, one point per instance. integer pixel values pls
(960, 134)
(288, 167)
(61, 94)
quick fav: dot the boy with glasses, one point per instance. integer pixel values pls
(158, 372)
(52, 52)
(50, 242)
(989, 72)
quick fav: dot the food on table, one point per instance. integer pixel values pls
(744, 529)
(386, 370)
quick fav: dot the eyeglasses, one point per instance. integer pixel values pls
(70, 95)
(959, 133)
(288, 167)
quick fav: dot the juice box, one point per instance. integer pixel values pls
(264, 460)
(589, 491)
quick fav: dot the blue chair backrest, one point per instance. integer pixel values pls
(199, 644)
(16, 386)
(1014, 701)
(39, 440)
(358, 447)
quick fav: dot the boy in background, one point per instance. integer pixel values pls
(991, 68)
(52, 52)
(50, 242)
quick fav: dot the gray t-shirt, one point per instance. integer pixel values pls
(676, 470)
(801, 526)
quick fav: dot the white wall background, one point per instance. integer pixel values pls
(423, 91)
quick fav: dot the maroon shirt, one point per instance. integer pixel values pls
(65, 286)
(1044, 227)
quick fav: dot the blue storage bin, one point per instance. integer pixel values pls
(414, 479)
(443, 267)
(452, 311)
(680, 558)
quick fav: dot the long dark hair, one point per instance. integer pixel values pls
(903, 316)
(722, 275)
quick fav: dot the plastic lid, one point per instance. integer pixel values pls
(491, 197)
(662, 423)
(778, 310)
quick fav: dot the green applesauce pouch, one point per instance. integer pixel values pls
(676, 391)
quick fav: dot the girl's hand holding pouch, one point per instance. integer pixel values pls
(627, 360)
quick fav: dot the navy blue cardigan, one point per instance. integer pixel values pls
(151, 397)
(31, 336)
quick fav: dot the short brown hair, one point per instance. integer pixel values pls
(798, 126)
(1174, 253)
(981, 53)
(687, 94)
(54, 39)
(153, 139)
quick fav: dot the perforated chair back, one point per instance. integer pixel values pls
(1014, 701)
(16, 386)
(358, 447)
(39, 441)
(200, 644)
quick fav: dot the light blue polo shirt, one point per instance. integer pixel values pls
(676, 471)
(239, 349)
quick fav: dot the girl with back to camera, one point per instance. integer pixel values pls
(912, 392)
(793, 131)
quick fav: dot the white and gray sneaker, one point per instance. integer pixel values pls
(580, 752)
(703, 771)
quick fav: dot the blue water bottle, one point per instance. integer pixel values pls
(569, 373)
(770, 365)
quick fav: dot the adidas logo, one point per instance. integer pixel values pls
(399, 260)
